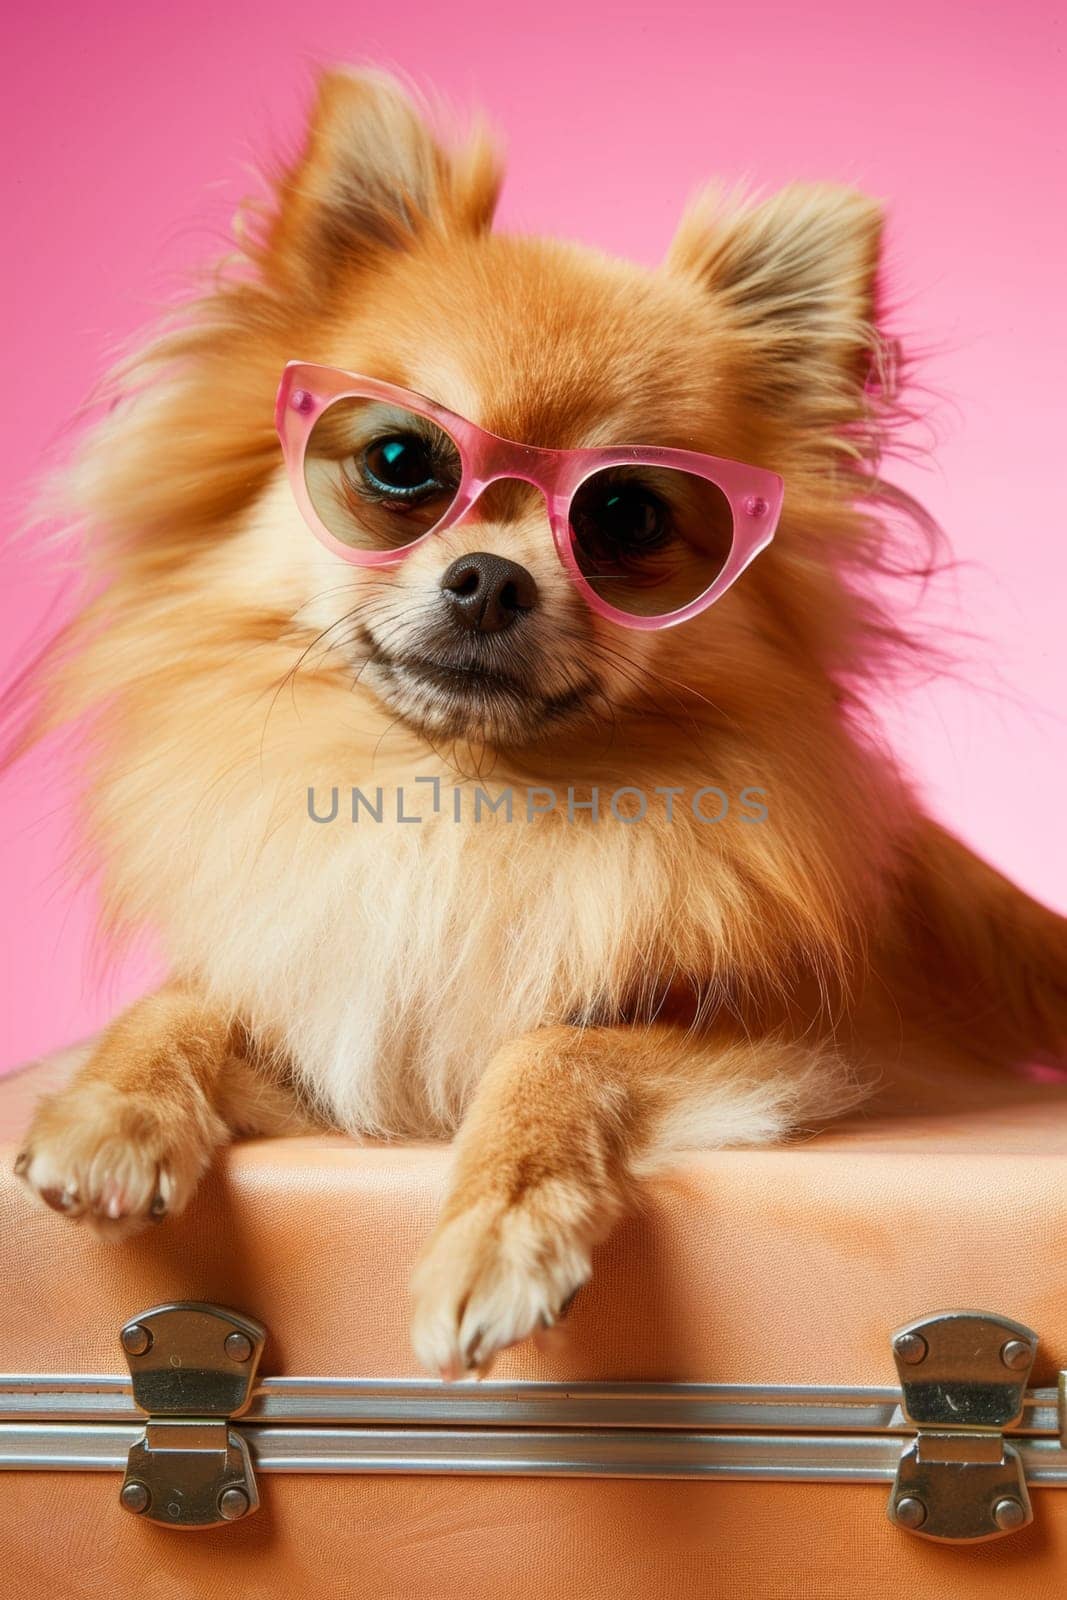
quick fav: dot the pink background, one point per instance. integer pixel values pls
(128, 130)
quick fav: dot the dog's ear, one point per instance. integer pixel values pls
(372, 176)
(795, 277)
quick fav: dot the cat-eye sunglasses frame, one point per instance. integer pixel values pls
(754, 494)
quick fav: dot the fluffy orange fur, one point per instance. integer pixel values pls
(576, 998)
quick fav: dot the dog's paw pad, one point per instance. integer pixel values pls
(490, 1278)
(108, 1160)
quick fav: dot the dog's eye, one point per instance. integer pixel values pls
(613, 519)
(379, 476)
(402, 464)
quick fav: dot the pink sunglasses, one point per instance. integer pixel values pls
(650, 536)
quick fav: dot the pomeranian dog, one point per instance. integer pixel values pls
(482, 762)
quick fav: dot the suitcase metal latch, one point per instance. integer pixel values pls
(963, 1377)
(193, 1367)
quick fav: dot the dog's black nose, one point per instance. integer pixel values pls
(488, 592)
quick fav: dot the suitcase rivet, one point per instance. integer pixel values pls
(238, 1346)
(233, 1503)
(136, 1339)
(910, 1511)
(1008, 1514)
(911, 1348)
(135, 1496)
(1016, 1354)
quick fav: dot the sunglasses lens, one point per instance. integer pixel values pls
(379, 476)
(650, 540)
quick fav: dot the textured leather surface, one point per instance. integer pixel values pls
(774, 1266)
(788, 1265)
(514, 1539)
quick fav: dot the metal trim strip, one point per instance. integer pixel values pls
(414, 1402)
(524, 1452)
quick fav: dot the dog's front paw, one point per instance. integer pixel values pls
(117, 1161)
(491, 1275)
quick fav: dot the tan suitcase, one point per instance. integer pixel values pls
(726, 1411)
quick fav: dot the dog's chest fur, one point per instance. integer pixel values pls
(390, 961)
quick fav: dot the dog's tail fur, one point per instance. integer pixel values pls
(991, 961)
